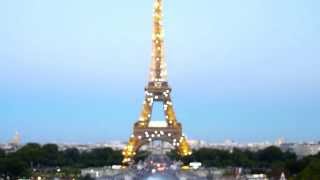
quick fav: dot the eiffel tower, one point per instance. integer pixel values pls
(157, 90)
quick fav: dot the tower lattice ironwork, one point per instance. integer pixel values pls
(157, 89)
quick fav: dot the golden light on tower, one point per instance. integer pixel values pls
(158, 71)
(157, 89)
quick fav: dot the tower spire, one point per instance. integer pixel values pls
(158, 69)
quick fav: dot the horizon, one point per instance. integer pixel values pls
(75, 71)
(271, 141)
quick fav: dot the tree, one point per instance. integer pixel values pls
(239, 158)
(31, 154)
(2, 158)
(311, 172)
(295, 166)
(101, 157)
(269, 155)
(2, 153)
(71, 157)
(2, 167)
(116, 157)
(50, 154)
(14, 167)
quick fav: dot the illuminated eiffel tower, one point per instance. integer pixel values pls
(158, 89)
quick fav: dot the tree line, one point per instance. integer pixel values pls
(32, 157)
(272, 161)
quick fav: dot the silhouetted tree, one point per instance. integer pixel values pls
(270, 154)
(270, 160)
(312, 171)
(2, 153)
(71, 157)
(14, 167)
(50, 155)
(31, 154)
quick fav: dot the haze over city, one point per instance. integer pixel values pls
(74, 71)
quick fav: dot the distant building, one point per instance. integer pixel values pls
(15, 141)
(302, 149)
(115, 145)
(256, 177)
(101, 172)
(13, 145)
(280, 141)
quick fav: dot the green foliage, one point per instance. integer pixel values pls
(2, 159)
(270, 154)
(71, 157)
(34, 156)
(2, 153)
(312, 171)
(30, 154)
(14, 167)
(100, 157)
(270, 160)
(50, 155)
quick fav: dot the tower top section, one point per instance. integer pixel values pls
(158, 69)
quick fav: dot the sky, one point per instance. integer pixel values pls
(75, 71)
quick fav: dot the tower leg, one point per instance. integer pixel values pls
(130, 151)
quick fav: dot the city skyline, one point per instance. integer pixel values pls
(71, 71)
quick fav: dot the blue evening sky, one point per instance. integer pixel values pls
(74, 71)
